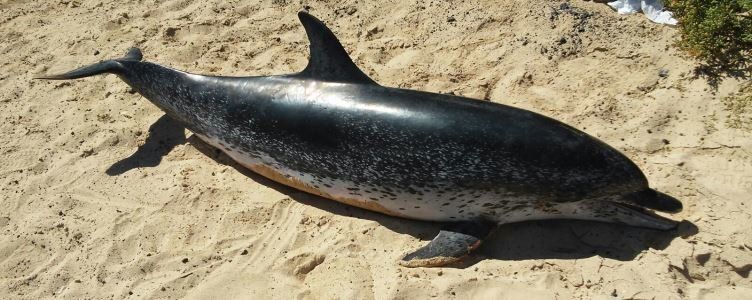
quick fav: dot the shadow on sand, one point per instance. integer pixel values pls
(164, 135)
(549, 239)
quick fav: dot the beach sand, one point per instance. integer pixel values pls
(103, 197)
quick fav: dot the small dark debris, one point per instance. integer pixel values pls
(170, 31)
(185, 260)
(702, 258)
(87, 153)
(451, 19)
(245, 252)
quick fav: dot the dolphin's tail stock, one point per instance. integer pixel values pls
(112, 66)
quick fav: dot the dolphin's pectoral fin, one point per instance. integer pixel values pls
(449, 246)
(329, 61)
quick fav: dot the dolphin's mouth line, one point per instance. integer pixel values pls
(651, 219)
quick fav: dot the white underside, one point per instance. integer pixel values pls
(429, 206)
(404, 205)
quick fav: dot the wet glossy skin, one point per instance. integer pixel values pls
(387, 144)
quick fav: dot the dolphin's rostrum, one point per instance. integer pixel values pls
(332, 131)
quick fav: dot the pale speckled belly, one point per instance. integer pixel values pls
(337, 190)
(428, 206)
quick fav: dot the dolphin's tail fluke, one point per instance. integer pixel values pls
(102, 67)
(653, 199)
(112, 66)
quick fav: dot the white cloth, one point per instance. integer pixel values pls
(653, 9)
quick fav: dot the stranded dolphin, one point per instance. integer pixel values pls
(332, 131)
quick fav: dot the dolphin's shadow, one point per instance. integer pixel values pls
(164, 135)
(575, 239)
(549, 239)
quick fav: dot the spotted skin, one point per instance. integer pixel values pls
(395, 151)
(333, 132)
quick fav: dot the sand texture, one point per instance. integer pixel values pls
(104, 198)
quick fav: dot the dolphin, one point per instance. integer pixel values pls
(332, 131)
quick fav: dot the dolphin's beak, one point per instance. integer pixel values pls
(653, 199)
(641, 217)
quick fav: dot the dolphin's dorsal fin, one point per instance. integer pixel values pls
(134, 54)
(329, 61)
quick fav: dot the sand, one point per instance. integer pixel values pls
(103, 197)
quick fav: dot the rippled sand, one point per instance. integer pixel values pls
(103, 197)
